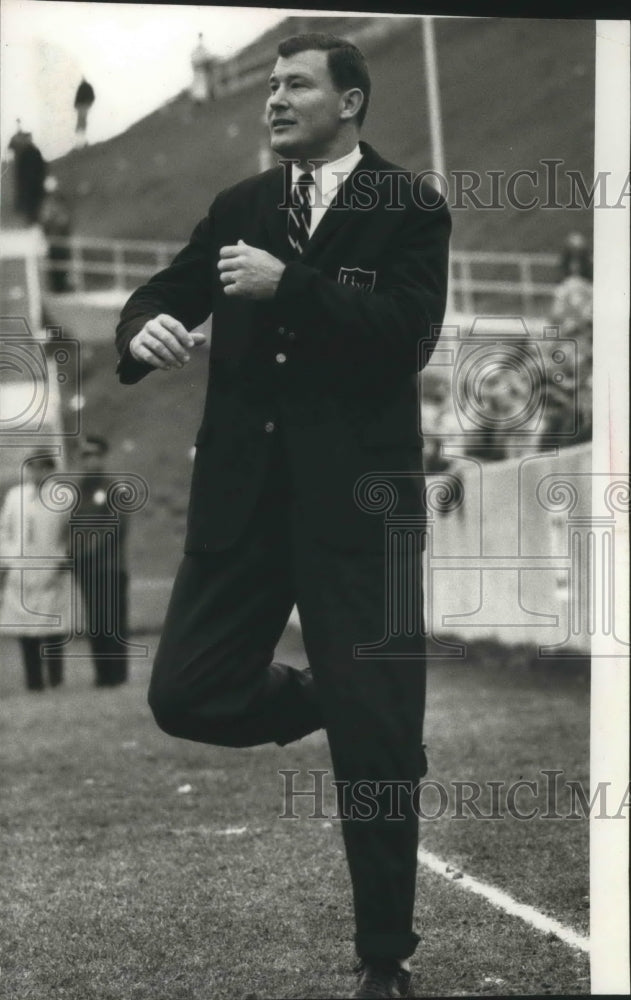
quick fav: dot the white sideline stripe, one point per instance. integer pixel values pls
(505, 902)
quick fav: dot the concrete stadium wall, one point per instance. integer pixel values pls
(514, 559)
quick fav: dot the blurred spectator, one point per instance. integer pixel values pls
(17, 142)
(29, 171)
(501, 412)
(19, 139)
(202, 64)
(573, 298)
(519, 405)
(56, 223)
(102, 570)
(84, 99)
(29, 529)
(511, 411)
(569, 406)
(436, 401)
(486, 416)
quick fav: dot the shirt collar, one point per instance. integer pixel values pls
(330, 175)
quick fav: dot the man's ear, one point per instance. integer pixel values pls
(352, 101)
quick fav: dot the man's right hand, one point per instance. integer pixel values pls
(164, 343)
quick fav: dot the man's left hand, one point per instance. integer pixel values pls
(249, 273)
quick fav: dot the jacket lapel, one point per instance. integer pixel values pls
(339, 213)
(275, 208)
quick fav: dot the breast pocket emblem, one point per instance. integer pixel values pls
(356, 276)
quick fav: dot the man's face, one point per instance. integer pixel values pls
(303, 109)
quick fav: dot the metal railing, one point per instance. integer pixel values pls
(521, 283)
(95, 264)
(481, 281)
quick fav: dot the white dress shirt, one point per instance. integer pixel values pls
(327, 179)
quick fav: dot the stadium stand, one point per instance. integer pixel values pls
(502, 102)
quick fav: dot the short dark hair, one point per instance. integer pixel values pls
(346, 63)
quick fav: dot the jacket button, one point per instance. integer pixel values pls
(270, 426)
(291, 335)
(281, 358)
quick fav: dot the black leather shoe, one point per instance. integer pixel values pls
(381, 979)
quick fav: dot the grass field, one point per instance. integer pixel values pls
(145, 868)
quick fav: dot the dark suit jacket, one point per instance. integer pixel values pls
(348, 316)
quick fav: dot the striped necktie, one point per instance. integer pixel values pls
(299, 218)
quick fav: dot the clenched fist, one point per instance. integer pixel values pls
(248, 272)
(164, 343)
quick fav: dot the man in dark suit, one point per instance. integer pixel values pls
(323, 275)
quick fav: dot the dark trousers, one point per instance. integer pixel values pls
(105, 604)
(34, 662)
(214, 680)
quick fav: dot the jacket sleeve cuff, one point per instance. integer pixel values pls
(128, 369)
